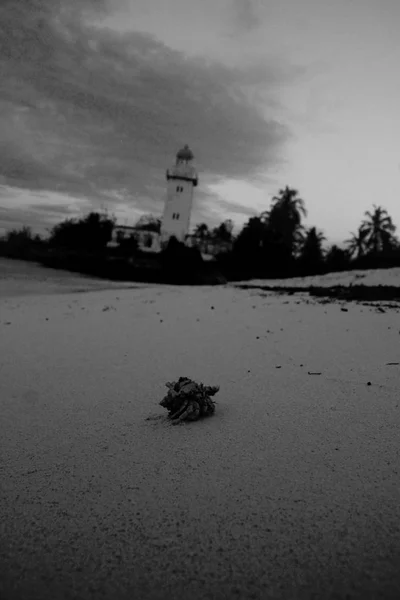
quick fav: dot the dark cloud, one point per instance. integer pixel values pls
(14, 218)
(96, 114)
(55, 209)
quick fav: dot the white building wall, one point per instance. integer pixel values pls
(142, 237)
(181, 179)
(177, 209)
(121, 230)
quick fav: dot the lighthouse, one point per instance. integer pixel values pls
(181, 179)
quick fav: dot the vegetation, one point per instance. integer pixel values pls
(274, 244)
(311, 255)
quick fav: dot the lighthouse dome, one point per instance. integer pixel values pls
(185, 153)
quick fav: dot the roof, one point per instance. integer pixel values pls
(185, 153)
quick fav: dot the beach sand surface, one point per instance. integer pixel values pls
(368, 277)
(291, 490)
(21, 278)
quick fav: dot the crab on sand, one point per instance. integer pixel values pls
(188, 400)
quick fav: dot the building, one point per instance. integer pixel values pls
(181, 180)
(148, 241)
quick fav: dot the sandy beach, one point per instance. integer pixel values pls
(290, 491)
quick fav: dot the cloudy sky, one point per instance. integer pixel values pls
(96, 97)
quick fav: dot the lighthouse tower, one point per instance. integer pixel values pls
(181, 179)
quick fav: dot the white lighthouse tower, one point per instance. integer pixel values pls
(181, 179)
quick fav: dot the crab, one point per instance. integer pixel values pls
(187, 400)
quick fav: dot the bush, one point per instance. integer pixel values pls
(22, 245)
(91, 234)
(180, 264)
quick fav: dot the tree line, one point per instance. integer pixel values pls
(274, 244)
(277, 244)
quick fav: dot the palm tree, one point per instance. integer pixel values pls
(290, 204)
(314, 237)
(389, 241)
(252, 234)
(379, 229)
(336, 259)
(249, 243)
(299, 238)
(357, 243)
(312, 254)
(283, 221)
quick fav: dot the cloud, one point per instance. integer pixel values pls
(15, 218)
(98, 115)
(40, 210)
(246, 16)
